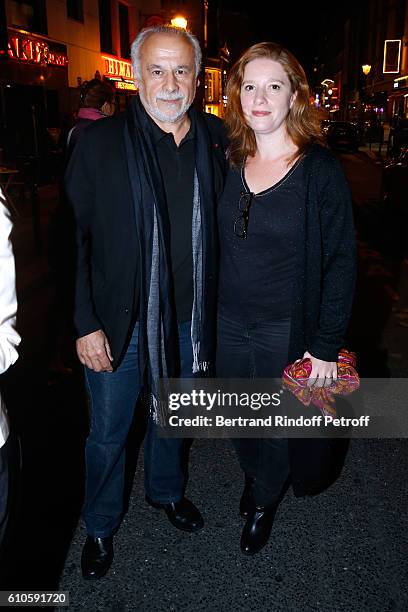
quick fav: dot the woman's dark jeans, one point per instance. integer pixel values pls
(256, 348)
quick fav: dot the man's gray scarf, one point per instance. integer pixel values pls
(155, 330)
(144, 177)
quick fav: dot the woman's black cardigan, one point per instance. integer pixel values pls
(325, 260)
(322, 299)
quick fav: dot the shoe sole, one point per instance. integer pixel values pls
(97, 577)
(253, 552)
(184, 529)
(92, 578)
(157, 506)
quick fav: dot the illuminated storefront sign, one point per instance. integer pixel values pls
(392, 54)
(117, 68)
(125, 85)
(34, 50)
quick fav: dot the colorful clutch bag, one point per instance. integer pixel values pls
(296, 376)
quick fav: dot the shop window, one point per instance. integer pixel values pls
(124, 30)
(212, 85)
(75, 10)
(105, 26)
(29, 15)
(209, 86)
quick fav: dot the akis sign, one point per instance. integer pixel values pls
(36, 51)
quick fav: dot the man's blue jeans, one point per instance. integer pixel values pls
(113, 398)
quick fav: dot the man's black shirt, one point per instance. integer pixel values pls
(177, 165)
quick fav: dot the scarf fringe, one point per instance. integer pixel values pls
(199, 366)
(157, 410)
(203, 366)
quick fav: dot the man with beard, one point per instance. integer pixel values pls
(143, 186)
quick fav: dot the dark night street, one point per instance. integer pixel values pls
(183, 106)
(342, 550)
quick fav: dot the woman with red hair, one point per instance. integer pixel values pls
(287, 265)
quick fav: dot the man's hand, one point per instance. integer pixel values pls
(323, 372)
(94, 352)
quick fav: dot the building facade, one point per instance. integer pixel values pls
(364, 64)
(387, 53)
(48, 48)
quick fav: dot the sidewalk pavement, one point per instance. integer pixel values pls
(340, 551)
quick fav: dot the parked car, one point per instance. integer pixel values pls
(342, 135)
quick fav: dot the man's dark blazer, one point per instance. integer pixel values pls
(107, 253)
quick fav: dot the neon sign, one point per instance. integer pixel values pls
(392, 55)
(34, 50)
(125, 85)
(117, 68)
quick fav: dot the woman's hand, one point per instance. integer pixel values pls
(323, 372)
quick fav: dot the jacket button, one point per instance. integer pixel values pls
(127, 310)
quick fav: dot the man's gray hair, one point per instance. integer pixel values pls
(163, 29)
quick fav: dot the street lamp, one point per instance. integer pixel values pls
(179, 22)
(366, 68)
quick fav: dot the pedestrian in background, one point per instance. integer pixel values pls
(96, 102)
(287, 265)
(9, 340)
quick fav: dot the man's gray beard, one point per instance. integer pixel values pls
(162, 117)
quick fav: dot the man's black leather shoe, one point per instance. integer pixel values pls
(247, 503)
(182, 514)
(97, 556)
(257, 529)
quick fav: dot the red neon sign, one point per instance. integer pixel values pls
(35, 51)
(117, 68)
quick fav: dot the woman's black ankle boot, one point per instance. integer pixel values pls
(257, 528)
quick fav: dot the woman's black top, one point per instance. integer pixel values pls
(257, 272)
